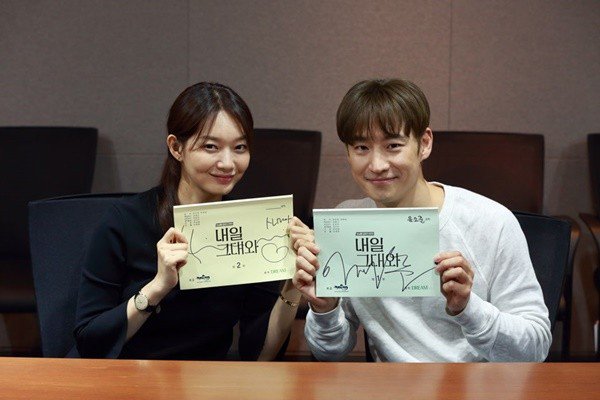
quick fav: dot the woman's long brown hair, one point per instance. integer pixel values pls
(193, 112)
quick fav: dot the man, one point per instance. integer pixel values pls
(492, 308)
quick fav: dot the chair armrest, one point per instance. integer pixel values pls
(593, 223)
(575, 235)
(566, 299)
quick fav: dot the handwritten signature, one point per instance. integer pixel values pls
(272, 222)
(378, 271)
(271, 252)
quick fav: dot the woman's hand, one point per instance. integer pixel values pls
(301, 235)
(172, 251)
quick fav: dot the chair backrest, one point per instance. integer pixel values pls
(548, 240)
(38, 163)
(593, 142)
(60, 230)
(506, 167)
(283, 161)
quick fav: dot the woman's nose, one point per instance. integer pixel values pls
(225, 160)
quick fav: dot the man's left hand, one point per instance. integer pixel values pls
(456, 280)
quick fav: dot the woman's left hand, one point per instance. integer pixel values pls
(172, 253)
(301, 234)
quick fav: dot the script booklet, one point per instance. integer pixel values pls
(235, 242)
(377, 252)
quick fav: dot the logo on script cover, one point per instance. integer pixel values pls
(341, 288)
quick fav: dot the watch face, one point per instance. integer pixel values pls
(141, 302)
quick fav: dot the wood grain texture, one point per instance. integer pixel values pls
(33, 378)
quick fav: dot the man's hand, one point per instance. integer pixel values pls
(304, 279)
(456, 280)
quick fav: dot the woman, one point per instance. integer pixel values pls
(130, 305)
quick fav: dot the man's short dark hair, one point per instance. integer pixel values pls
(392, 105)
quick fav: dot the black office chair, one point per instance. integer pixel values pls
(60, 230)
(35, 163)
(592, 221)
(506, 167)
(548, 240)
(283, 161)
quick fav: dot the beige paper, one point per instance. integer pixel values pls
(235, 242)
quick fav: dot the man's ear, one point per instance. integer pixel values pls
(426, 144)
(175, 147)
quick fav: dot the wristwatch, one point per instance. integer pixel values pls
(141, 303)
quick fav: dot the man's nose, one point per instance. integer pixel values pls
(378, 162)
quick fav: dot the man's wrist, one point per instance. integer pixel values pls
(456, 311)
(453, 313)
(330, 305)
